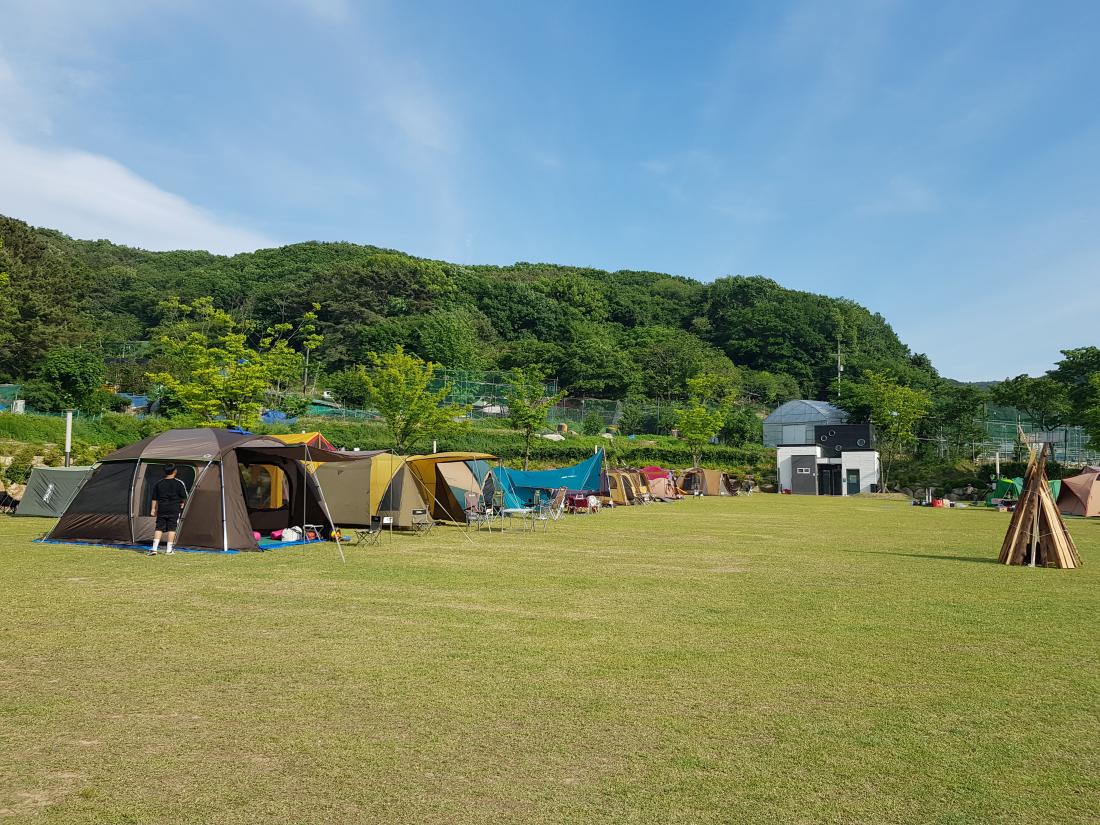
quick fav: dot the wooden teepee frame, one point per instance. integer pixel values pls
(1037, 536)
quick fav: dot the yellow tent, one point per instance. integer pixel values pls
(445, 478)
(620, 487)
(314, 439)
(379, 484)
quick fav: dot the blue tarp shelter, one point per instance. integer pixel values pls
(521, 488)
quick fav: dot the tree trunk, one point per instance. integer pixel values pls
(526, 449)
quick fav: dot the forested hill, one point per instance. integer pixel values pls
(603, 334)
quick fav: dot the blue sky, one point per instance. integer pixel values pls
(937, 162)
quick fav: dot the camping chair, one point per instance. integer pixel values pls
(422, 523)
(8, 504)
(557, 504)
(476, 512)
(354, 536)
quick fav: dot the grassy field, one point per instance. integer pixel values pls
(771, 659)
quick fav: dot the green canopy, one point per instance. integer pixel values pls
(1013, 487)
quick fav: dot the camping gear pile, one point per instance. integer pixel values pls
(254, 492)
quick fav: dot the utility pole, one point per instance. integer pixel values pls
(839, 368)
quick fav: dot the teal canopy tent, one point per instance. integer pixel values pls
(521, 487)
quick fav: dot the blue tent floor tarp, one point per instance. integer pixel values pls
(265, 544)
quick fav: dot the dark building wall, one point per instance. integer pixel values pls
(835, 439)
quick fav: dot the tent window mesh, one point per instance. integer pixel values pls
(107, 491)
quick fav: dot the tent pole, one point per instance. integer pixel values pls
(130, 505)
(311, 476)
(190, 498)
(225, 529)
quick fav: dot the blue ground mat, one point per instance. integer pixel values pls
(265, 544)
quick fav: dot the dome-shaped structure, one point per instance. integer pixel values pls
(794, 422)
(238, 484)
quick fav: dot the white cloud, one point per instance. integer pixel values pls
(92, 196)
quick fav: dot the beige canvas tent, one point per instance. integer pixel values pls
(663, 489)
(1080, 494)
(620, 489)
(702, 481)
(376, 485)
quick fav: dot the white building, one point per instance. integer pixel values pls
(804, 470)
(831, 458)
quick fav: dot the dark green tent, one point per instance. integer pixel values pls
(50, 490)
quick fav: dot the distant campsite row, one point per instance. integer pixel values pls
(254, 492)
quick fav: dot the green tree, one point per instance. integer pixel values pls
(740, 426)
(633, 418)
(954, 422)
(1077, 372)
(205, 366)
(74, 376)
(349, 386)
(1090, 416)
(592, 423)
(451, 339)
(894, 409)
(528, 404)
(1045, 400)
(667, 358)
(398, 387)
(698, 425)
(289, 366)
(7, 306)
(220, 380)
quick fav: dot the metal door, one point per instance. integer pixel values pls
(829, 480)
(853, 482)
(804, 475)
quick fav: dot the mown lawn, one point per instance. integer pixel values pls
(771, 659)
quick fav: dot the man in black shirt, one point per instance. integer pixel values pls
(169, 495)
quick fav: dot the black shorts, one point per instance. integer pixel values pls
(167, 524)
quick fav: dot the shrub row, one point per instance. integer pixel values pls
(95, 436)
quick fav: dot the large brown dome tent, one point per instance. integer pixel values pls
(240, 483)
